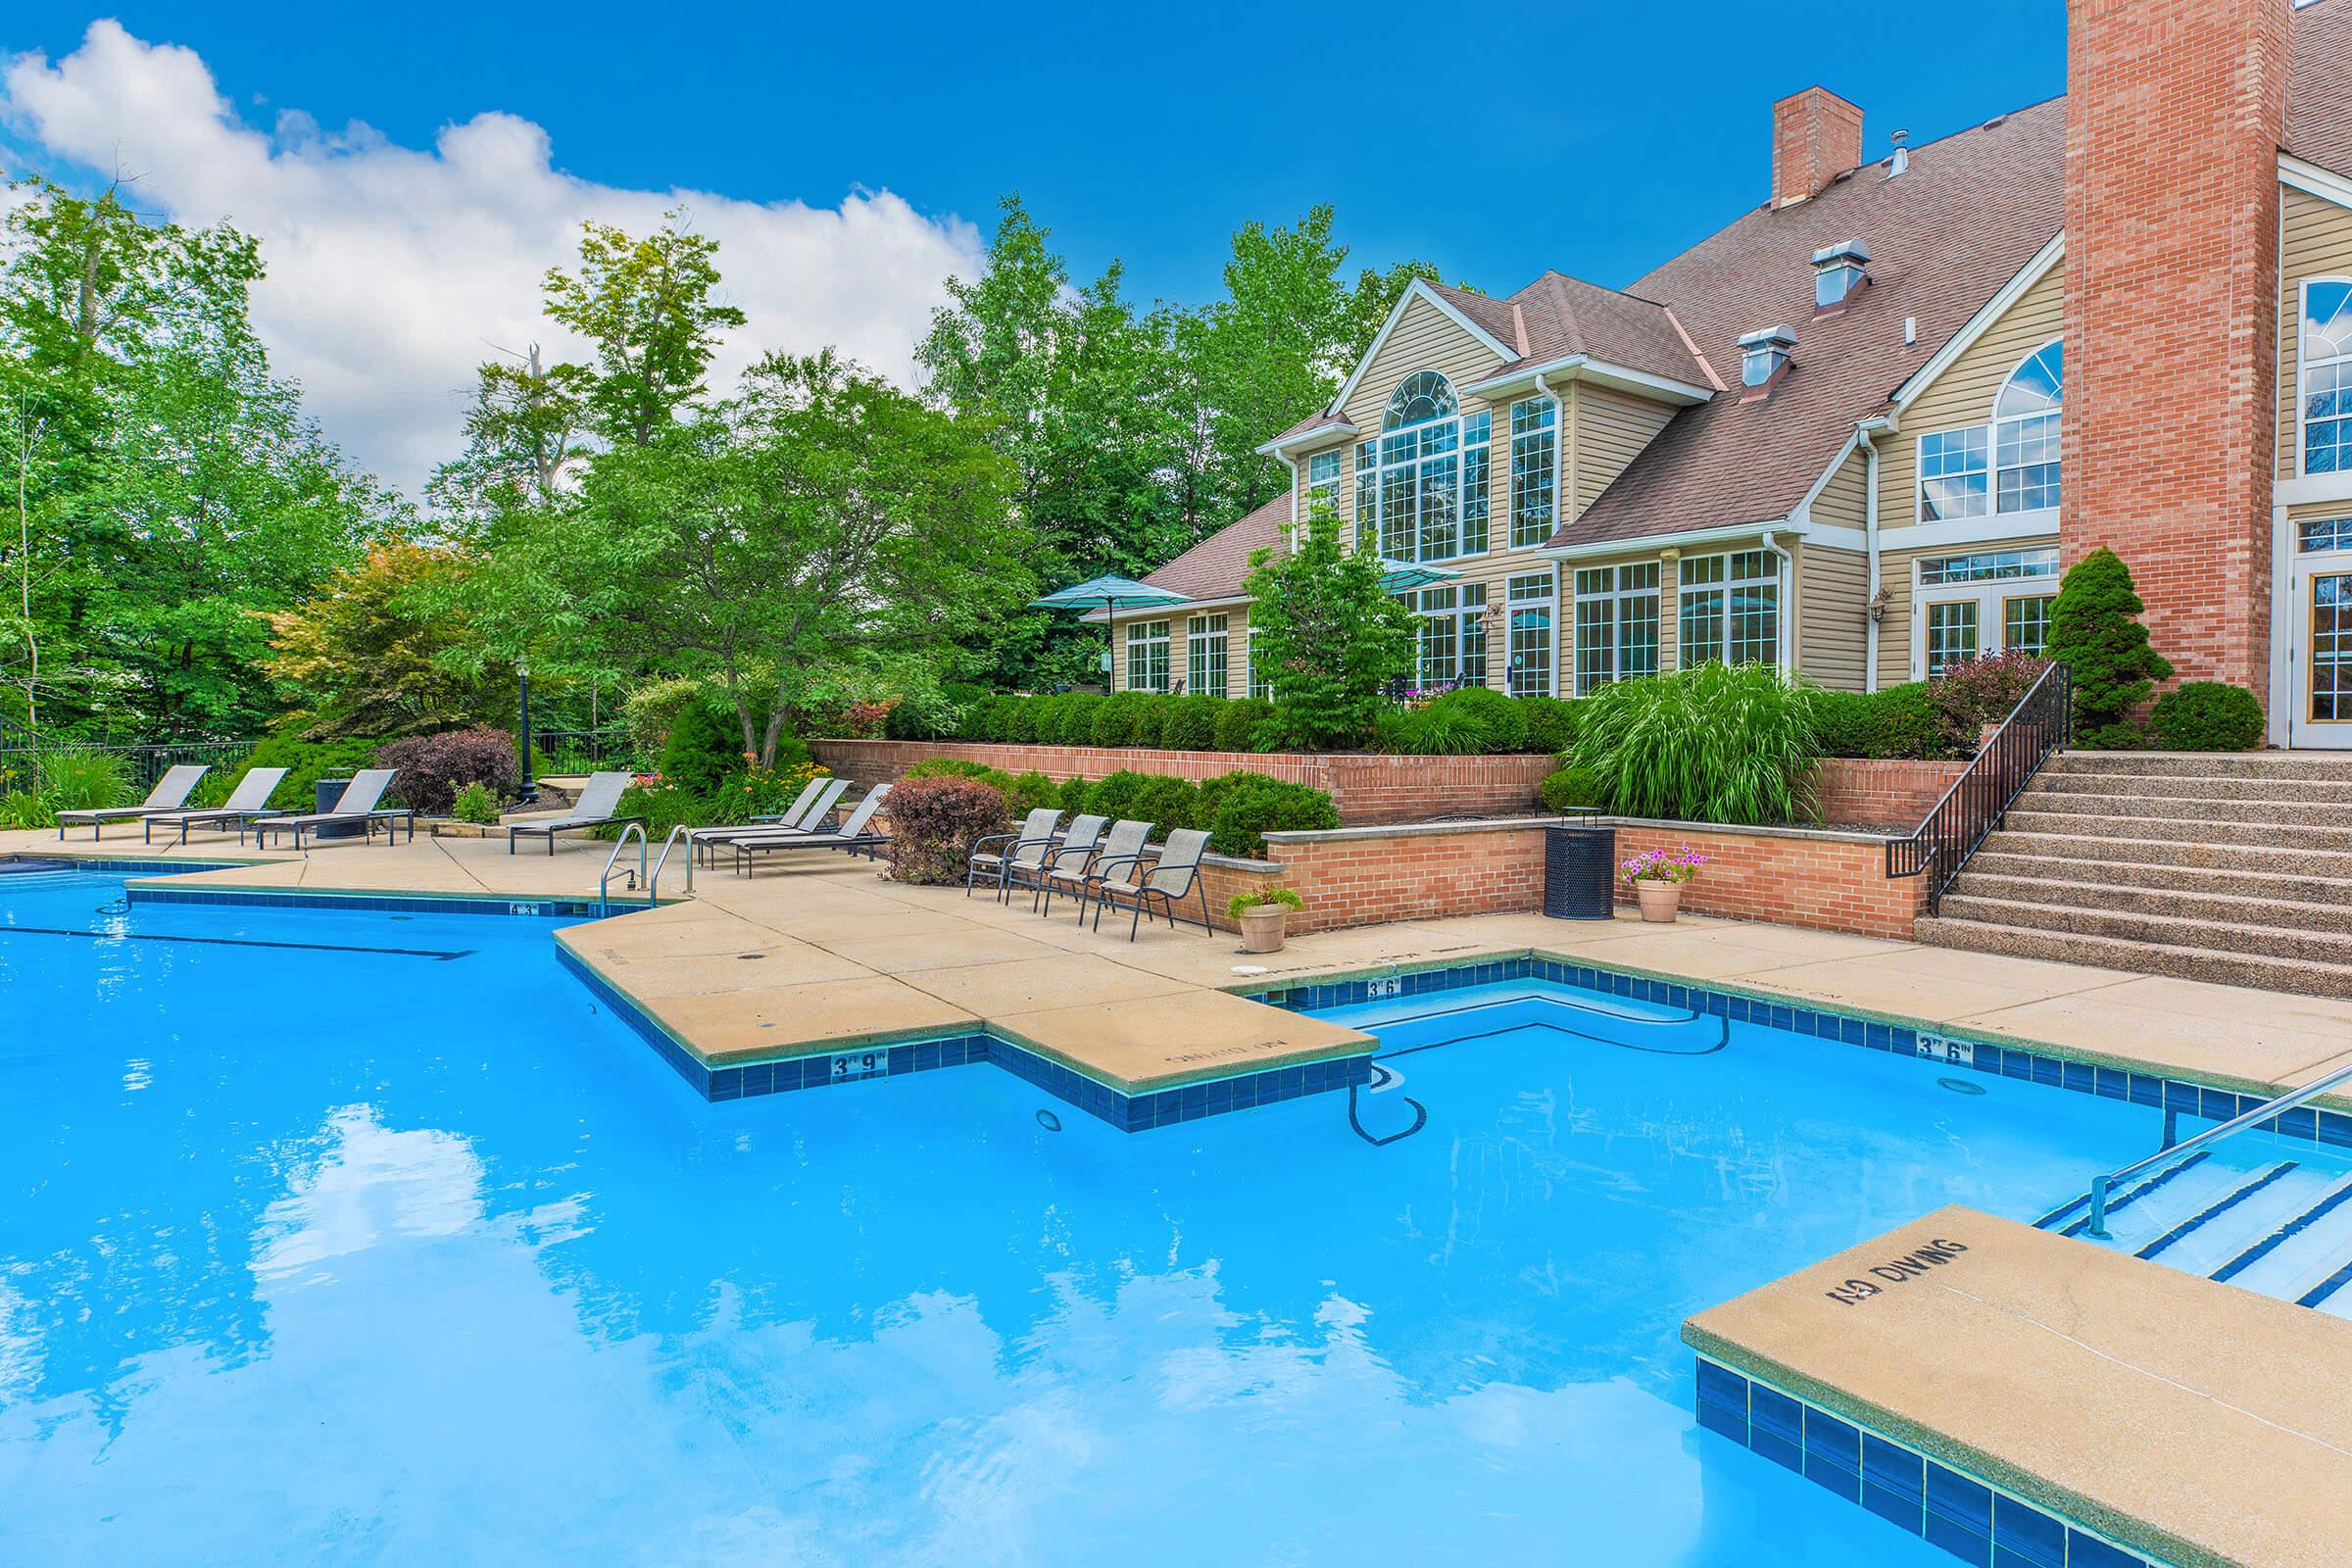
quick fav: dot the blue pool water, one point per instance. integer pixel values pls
(311, 1253)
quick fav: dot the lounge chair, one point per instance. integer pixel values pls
(1026, 848)
(791, 814)
(851, 835)
(248, 800)
(1077, 848)
(357, 804)
(594, 809)
(1174, 877)
(1125, 843)
(812, 810)
(170, 793)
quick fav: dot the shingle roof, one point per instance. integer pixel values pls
(1214, 567)
(1559, 315)
(2318, 127)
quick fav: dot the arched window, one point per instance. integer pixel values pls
(2328, 375)
(1420, 397)
(2025, 432)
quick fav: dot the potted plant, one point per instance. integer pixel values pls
(1658, 875)
(1262, 914)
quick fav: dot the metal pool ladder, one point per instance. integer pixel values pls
(2268, 1110)
(603, 899)
(652, 885)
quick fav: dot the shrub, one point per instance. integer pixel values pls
(1899, 721)
(1332, 635)
(1167, 804)
(1025, 792)
(1151, 719)
(1250, 806)
(476, 803)
(1977, 692)
(1072, 795)
(25, 808)
(1261, 897)
(2207, 716)
(77, 780)
(1550, 724)
(1118, 719)
(664, 807)
(2095, 630)
(939, 715)
(1572, 787)
(934, 822)
(1237, 724)
(1073, 724)
(307, 763)
(432, 768)
(1715, 743)
(704, 746)
(957, 767)
(2125, 735)
(649, 711)
(1497, 721)
(1190, 723)
(1023, 723)
(1114, 796)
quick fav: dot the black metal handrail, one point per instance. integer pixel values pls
(1980, 798)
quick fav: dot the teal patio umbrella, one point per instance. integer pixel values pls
(1110, 595)
(1399, 577)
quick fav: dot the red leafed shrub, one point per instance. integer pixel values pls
(934, 823)
(434, 767)
(1975, 692)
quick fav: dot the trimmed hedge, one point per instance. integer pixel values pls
(1468, 723)
(2207, 716)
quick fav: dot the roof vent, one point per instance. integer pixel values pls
(1838, 272)
(1763, 356)
(1900, 158)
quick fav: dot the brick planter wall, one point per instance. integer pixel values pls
(1863, 791)
(1366, 787)
(1825, 880)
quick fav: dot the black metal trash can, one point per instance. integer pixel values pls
(1580, 873)
(324, 794)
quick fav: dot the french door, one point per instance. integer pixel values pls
(2319, 708)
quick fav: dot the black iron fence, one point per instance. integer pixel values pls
(1980, 798)
(22, 751)
(584, 750)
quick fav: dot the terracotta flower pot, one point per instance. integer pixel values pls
(1659, 900)
(1262, 928)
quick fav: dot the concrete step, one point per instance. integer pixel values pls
(2156, 874)
(2259, 971)
(2165, 852)
(2167, 930)
(2182, 809)
(2315, 766)
(2239, 904)
(2275, 787)
(2301, 1253)
(2023, 818)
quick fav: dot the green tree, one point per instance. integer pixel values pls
(371, 654)
(527, 425)
(2095, 631)
(647, 305)
(1331, 635)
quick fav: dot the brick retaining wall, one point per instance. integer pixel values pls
(1367, 788)
(1867, 792)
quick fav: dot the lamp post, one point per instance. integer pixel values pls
(529, 791)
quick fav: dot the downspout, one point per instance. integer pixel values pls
(1870, 533)
(1784, 632)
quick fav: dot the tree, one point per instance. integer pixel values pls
(371, 652)
(818, 512)
(523, 431)
(2095, 630)
(646, 306)
(1330, 634)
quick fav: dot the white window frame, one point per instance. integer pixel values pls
(1472, 482)
(1611, 588)
(2036, 519)
(2303, 369)
(1322, 490)
(1720, 589)
(1467, 618)
(1261, 683)
(2002, 423)
(2035, 576)
(1552, 431)
(1531, 594)
(1147, 635)
(1206, 639)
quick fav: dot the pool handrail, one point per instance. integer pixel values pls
(603, 899)
(2268, 1110)
(654, 883)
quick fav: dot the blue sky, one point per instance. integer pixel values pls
(1596, 137)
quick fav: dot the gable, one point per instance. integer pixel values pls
(2315, 240)
(1421, 337)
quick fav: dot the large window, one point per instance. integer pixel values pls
(1731, 609)
(2008, 465)
(1421, 487)
(1148, 655)
(1205, 656)
(1453, 635)
(2328, 375)
(1616, 623)
(1261, 680)
(1530, 600)
(1322, 485)
(1981, 602)
(1535, 470)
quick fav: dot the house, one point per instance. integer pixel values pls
(1859, 432)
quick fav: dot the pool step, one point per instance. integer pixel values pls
(2267, 1219)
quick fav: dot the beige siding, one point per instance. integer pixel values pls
(1426, 339)
(1178, 618)
(1611, 428)
(1962, 395)
(2304, 510)
(2314, 241)
(1833, 614)
(1895, 576)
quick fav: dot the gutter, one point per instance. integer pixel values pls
(1863, 431)
(1785, 633)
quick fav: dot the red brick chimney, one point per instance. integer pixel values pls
(2174, 111)
(1816, 135)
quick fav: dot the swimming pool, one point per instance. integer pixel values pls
(344, 1237)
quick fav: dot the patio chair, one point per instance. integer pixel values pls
(1026, 847)
(357, 804)
(853, 835)
(1125, 843)
(170, 793)
(248, 800)
(1173, 878)
(814, 805)
(594, 809)
(1077, 846)
(791, 814)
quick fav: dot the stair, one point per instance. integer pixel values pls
(2262, 1214)
(2236, 870)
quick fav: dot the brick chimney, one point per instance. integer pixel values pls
(1816, 135)
(2174, 111)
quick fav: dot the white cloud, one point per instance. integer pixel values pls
(392, 269)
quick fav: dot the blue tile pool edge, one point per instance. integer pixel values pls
(379, 902)
(1922, 1041)
(890, 1059)
(1950, 1508)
